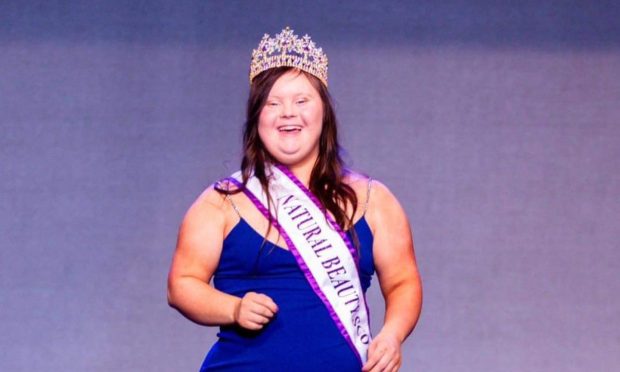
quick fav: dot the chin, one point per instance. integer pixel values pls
(291, 159)
(287, 160)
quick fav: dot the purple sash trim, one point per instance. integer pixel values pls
(316, 202)
(300, 262)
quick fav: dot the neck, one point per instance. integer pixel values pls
(302, 172)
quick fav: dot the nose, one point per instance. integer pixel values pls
(288, 110)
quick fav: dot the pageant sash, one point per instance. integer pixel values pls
(322, 250)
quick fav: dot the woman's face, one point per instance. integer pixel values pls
(290, 123)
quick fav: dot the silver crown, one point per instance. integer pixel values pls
(286, 49)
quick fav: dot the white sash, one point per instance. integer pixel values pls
(322, 250)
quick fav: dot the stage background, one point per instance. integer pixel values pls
(496, 125)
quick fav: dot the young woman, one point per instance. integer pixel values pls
(292, 240)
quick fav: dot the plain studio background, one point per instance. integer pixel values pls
(497, 126)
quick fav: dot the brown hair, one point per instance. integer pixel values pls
(327, 177)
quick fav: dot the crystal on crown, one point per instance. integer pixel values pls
(286, 49)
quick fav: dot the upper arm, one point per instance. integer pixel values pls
(200, 238)
(393, 250)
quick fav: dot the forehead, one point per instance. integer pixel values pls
(291, 83)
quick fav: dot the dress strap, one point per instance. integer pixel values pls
(367, 195)
(225, 184)
(233, 205)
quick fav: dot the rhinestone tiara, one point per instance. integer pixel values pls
(286, 49)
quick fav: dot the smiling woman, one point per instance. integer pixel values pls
(292, 240)
(290, 123)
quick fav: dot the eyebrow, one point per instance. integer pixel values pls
(294, 95)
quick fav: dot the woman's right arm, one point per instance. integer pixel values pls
(197, 254)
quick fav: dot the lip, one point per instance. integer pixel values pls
(289, 128)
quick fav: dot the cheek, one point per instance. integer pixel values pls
(263, 134)
(314, 116)
(264, 131)
(264, 122)
(263, 119)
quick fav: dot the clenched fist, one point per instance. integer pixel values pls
(254, 311)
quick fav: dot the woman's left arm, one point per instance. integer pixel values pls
(398, 276)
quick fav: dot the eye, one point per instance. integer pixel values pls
(301, 101)
(272, 103)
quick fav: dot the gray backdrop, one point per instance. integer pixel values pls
(496, 125)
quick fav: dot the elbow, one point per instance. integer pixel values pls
(171, 293)
(170, 299)
(409, 287)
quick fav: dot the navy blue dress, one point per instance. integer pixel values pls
(301, 336)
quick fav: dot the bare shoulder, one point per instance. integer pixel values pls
(379, 194)
(210, 209)
(357, 181)
(384, 209)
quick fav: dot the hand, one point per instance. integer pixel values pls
(383, 354)
(254, 311)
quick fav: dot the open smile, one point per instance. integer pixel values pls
(289, 128)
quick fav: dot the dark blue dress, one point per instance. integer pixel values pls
(301, 336)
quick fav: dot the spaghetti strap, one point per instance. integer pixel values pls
(225, 184)
(233, 205)
(367, 195)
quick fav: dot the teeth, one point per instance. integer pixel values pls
(290, 129)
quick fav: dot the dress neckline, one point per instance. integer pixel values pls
(244, 222)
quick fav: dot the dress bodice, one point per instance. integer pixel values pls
(301, 336)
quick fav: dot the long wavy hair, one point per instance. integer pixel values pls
(327, 177)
